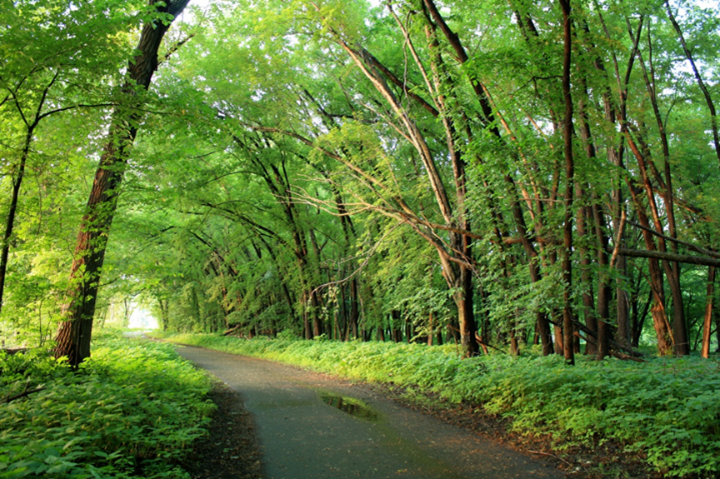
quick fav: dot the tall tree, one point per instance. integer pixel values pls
(55, 63)
(74, 334)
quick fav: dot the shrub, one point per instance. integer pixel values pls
(133, 408)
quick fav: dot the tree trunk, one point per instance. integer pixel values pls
(707, 323)
(568, 327)
(624, 331)
(587, 290)
(558, 328)
(431, 327)
(465, 313)
(682, 346)
(307, 325)
(354, 309)
(717, 328)
(660, 322)
(17, 182)
(10, 222)
(395, 326)
(74, 334)
(461, 243)
(317, 323)
(604, 290)
(514, 345)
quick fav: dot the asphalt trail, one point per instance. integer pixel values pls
(303, 437)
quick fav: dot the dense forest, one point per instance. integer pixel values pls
(511, 205)
(498, 175)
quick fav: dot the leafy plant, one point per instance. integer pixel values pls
(133, 409)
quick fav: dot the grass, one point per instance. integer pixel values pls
(666, 409)
(132, 410)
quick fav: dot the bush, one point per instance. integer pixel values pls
(132, 409)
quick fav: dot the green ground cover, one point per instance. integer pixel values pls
(666, 409)
(131, 410)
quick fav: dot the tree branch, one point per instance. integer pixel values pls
(680, 258)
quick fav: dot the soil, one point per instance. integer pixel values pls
(230, 450)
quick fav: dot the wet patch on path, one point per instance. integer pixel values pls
(351, 406)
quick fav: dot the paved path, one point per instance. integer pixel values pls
(303, 434)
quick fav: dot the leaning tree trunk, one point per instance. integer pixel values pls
(17, 182)
(73, 338)
(18, 179)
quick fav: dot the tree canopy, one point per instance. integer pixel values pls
(500, 175)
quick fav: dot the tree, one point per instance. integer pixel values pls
(56, 63)
(389, 112)
(517, 171)
(73, 337)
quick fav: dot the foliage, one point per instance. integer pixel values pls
(666, 409)
(269, 167)
(334, 170)
(132, 409)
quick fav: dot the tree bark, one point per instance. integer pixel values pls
(431, 329)
(568, 327)
(707, 323)
(74, 334)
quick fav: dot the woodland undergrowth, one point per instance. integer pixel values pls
(131, 410)
(666, 409)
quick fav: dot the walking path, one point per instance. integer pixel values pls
(311, 426)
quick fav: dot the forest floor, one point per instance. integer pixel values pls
(230, 450)
(311, 425)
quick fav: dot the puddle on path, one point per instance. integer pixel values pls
(416, 459)
(354, 407)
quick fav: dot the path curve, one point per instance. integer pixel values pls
(303, 437)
